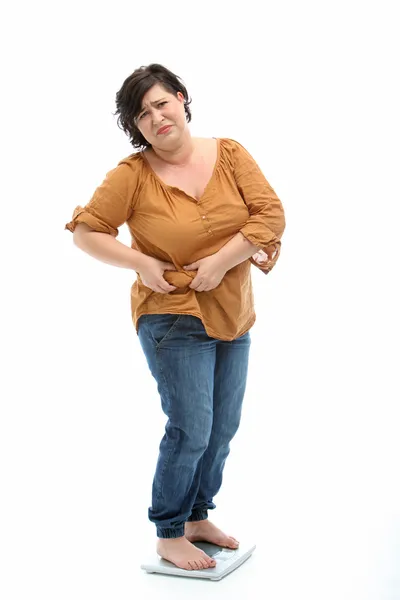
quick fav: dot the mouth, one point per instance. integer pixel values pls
(164, 129)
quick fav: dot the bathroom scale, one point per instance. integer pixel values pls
(227, 561)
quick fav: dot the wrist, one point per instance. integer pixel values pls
(222, 259)
(138, 260)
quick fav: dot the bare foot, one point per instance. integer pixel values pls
(205, 531)
(184, 554)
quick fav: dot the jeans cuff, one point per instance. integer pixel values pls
(199, 514)
(171, 532)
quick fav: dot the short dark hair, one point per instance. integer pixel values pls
(129, 98)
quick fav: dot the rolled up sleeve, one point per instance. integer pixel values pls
(111, 204)
(266, 222)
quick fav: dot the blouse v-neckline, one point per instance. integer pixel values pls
(174, 187)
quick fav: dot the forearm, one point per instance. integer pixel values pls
(236, 251)
(108, 249)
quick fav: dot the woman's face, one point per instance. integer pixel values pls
(161, 108)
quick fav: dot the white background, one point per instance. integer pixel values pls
(309, 88)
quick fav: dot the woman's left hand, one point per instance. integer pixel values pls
(210, 273)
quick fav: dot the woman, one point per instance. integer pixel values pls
(200, 212)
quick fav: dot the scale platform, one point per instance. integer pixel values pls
(227, 561)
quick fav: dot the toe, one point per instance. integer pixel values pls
(204, 563)
(209, 561)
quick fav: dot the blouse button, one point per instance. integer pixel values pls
(203, 217)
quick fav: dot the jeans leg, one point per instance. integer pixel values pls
(181, 358)
(229, 389)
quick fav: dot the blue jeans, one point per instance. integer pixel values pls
(201, 382)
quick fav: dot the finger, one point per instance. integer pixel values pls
(166, 289)
(196, 283)
(200, 287)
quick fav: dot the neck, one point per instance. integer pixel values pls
(179, 156)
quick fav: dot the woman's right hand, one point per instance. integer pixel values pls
(151, 272)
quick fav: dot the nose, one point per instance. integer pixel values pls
(157, 117)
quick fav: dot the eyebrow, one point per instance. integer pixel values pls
(155, 102)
